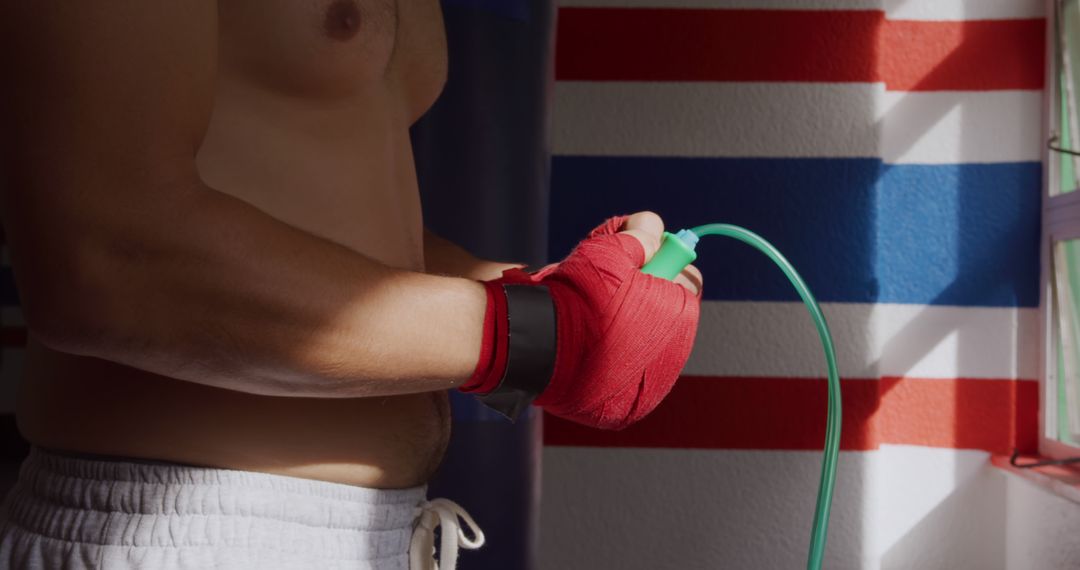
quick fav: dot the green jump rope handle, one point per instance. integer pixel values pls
(669, 261)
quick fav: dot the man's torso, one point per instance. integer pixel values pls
(310, 123)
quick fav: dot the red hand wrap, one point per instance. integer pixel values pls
(493, 347)
(623, 336)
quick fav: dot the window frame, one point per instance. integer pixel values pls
(1060, 221)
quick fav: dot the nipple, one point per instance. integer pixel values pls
(342, 20)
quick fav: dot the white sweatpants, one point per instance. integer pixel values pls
(77, 513)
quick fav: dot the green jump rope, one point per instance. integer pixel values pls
(676, 252)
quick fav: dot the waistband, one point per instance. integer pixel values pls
(108, 502)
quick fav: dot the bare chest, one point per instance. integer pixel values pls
(329, 49)
(314, 102)
(321, 48)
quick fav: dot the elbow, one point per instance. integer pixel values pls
(87, 269)
(66, 321)
(73, 305)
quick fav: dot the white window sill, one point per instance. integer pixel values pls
(1061, 480)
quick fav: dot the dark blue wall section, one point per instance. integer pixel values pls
(482, 151)
(858, 230)
(516, 9)
(483, 166)
(9, 296)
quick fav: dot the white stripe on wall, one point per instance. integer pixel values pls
(894, 9)
(872, 341)
(712, 119)
(660, 508)
(964, 9)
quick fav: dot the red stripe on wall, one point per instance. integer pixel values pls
(978, 55)
(628, 44)
(789, 414)
(625, 44)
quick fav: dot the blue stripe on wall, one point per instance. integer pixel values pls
(857, 229)
(513, 9)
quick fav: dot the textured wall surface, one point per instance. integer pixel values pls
(1041, 528)
(891, 149)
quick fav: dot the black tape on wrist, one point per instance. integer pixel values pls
(530, 359)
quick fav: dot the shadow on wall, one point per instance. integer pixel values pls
(991, 247)
(995, 250)
(964, 530)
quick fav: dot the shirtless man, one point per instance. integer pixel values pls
(241, 335)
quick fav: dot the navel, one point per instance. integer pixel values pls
(342, 20)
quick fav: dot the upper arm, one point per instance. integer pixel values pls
(104, 107)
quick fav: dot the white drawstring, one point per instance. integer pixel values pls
(442, 513)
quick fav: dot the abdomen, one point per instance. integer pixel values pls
(93, 406)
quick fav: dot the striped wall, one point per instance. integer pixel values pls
(891, 149)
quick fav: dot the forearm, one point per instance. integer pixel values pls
(444, 257)
(217, 292)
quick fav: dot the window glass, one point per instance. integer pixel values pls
(1066, 283)
(1068, 87)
